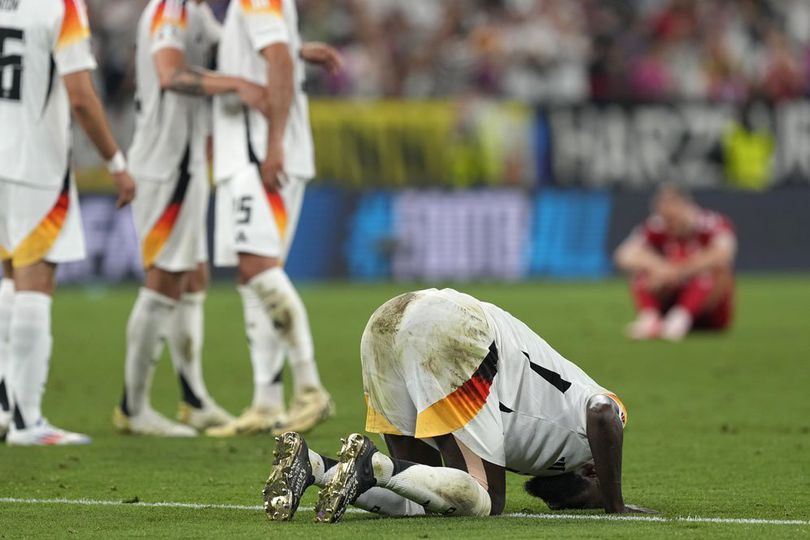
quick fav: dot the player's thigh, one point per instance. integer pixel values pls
(413, 450)
(168, 223)
(292, 198)
(249, 220)
(43, 225)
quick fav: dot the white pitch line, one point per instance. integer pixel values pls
(547, 517)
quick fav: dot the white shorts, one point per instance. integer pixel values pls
(421, 350)
(170, 220)
(251, 220)
(40, 224)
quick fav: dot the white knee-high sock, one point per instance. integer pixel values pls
(266, 353)
(289, 318)
(440, 490)
(30, 345)
(6, 303)
(185, 338)
(149, 317)
(376, 499)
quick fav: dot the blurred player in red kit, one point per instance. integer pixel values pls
(680, 262)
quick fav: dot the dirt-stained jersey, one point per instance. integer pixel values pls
(167, 123)
(241, 137)
(40, 41)
(437, 362)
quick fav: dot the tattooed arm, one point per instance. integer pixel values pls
(176, 75)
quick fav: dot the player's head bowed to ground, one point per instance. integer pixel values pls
(462, 393)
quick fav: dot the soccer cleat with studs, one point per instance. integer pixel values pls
(354, 476)
(290, 477)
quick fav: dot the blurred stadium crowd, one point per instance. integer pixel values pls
(534, 50)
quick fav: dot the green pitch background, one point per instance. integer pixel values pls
(719, 426)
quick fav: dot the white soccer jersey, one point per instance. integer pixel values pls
(437, 362)
(167, 123)
(40, 41)
(240, 139)
(542, 398)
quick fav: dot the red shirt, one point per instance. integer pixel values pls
(707, 227)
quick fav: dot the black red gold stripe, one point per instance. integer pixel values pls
(463, 404)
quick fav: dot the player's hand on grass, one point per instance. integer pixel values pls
(272, 169)
(125, 186)
(323, 55)
(254, 96)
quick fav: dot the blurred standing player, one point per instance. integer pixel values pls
(680, 263)
(169, 163)
(45, 65)
(262, 166)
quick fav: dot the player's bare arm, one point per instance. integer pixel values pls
(280, 91)
(322, 54)
(177, 76)
(719, 254)
(634, 255)
(605, 437)
(89, 113)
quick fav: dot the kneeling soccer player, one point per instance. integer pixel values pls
(462, 392)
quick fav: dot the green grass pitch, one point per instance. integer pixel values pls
(719, 426)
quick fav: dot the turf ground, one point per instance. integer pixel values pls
(719, 426)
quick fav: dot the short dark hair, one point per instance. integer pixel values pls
(671, 188)
(557, 491)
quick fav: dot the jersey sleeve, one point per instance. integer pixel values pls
(72, 50)
(264, 20)
(168, 27)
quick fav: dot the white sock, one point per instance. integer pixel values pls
(289, 317)
(30, 352)
(266, 353)
(6, 302)
(149, 317)
(677, 324)
(376, 499)
(185, 339)
(440, 490)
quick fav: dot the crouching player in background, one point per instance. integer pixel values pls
(462, 392)
(680, 263)
(170, 164)
(45, 76)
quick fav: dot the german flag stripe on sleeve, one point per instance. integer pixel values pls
(462, 405)
(259, 7)
(39, 242)
(75, 26)
(169, 12)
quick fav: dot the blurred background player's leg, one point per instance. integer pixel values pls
(6, 302)
(647, 324)
(266, 411)
(185, 337)
(706, 298)
(153, 310)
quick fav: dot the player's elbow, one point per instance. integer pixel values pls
(601, 412)
(81, 103)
